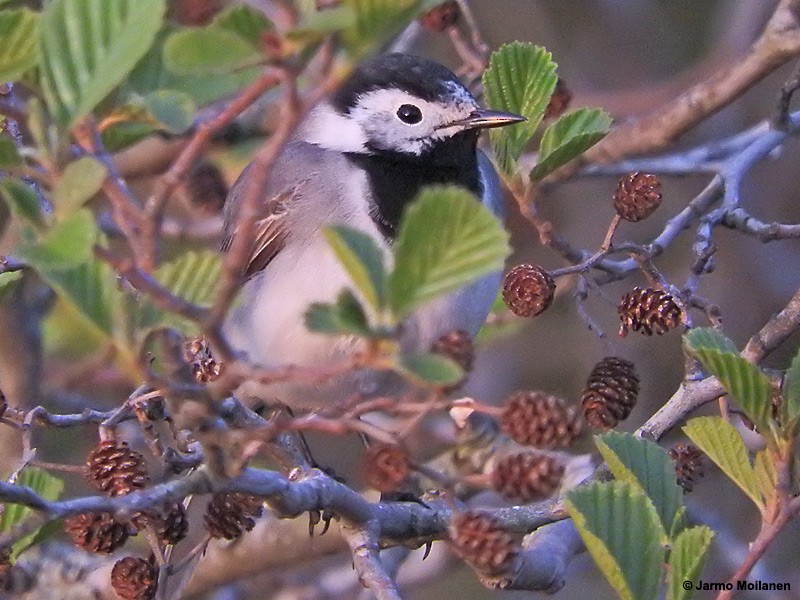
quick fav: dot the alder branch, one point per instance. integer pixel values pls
(778, 43)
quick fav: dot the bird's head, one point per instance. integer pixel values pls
(399, 103)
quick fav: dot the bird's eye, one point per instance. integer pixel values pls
(408, 113)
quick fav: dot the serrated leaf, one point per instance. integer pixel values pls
(80, 180)
(686, 561)
(569, 137)
(9, 157)
(790, 406)
(744, 381)
(192, 276)
(766, 476)
(647, 465)
(362, 258)
(208, 51)
(88, 47)
(172, 111)
(345, 317)
(125, 134)
(90, 290)
(709, 339)
(23, 201)
(622, 531)
(722, 443)
(65, 245)
(19, 36)
(45, 485)
(245, 21)
(520, 79)
(446, 240)
(431, 368)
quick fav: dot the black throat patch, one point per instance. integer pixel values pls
(396, 178)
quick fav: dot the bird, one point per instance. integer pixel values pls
(398, 123)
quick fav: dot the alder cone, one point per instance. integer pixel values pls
(688, 460)
(96, 532)
(648, 310)
(482, 542)
(170, 524)
(385, 467)
(230, 514)
(637, 196)
(114, 469)
(528, 290)
(134, 578)
(534, 418)
(527, 476)
(610, 393)
(559, 101)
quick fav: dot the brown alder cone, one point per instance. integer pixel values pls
(230, 514)
(638, 195)
(96, 532)
(170, 523)
(534, 418)
(688, 460)
(385, 467)
(527, 476)
(610, 393)
(114, 469)
(135, 578)
(482, 542)
(206, 188)
(528, 290)
(648, 310)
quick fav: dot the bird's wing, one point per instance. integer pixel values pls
(270, 231)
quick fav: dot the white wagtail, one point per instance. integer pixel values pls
(397, 124)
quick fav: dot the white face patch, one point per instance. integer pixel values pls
(374, 122)
(327, 128)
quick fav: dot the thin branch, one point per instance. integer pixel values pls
(779, 43)
(363, 542)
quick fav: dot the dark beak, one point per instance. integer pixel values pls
(486, 119)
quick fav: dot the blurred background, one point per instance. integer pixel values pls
(629, 57)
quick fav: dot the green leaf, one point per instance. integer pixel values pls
(686, 560)
(317, 24)
(80, 180)
(377, 21)
(8, 280)
(45, 485)
(66, 245)
(9, 157)
(646, 465)
(193, 276)
(88, 48)
(790, 406)
(766, 476)
(521, 78)
(622, 531)
(362, 259)
(208, 51)
(569, 137)
(90, 290)
(431, 368)
(744, 381)
(723, 444)
(23, 201)
(346, 317)
(19, 36)
(125, 134)
(245, 21)
(446, 240)
(172, 111)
